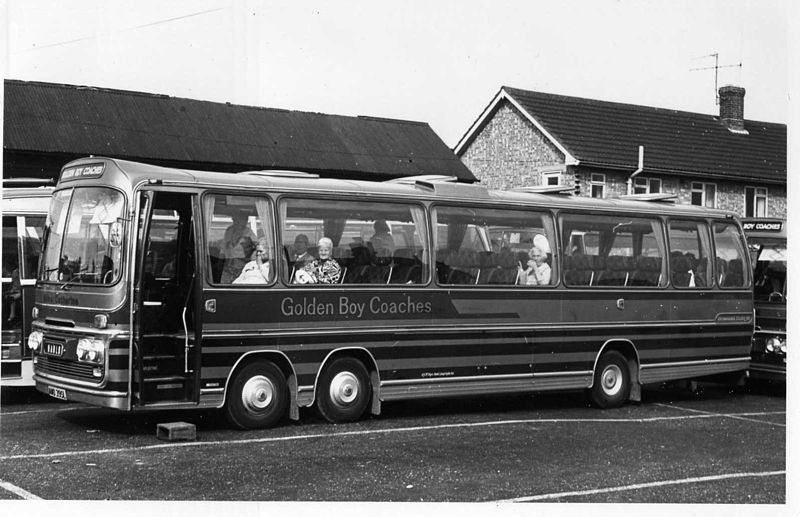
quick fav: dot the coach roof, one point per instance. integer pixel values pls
(140, 173)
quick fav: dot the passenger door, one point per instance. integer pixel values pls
(166, 358)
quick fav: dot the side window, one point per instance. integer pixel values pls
(239, 237)
(613, 251)
(32, 245)
(12, 294)
(730, 259)
(487, 246)
(690, 254)
(338, 241)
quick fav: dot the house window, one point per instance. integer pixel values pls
(551, 178)
(646, 185)
(704, 194)
(755, 202)
(598, 184)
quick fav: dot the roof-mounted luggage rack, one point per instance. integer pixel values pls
(670, 198)
(428, 178)
(425, 181)
(546, 189)
(282, 174)
(27, 182)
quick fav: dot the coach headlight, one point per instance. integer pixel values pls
(90, 351)
(35, 340)
(776, 345)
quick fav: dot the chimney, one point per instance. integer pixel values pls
(731, 107)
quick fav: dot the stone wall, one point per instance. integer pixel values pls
(508, 151)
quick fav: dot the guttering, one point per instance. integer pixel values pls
(637, 171)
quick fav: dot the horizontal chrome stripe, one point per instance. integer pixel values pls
(694, 363)
(667, 371)
(462, 328)
(484, 386)
(483, 378)
(561, 374)
(761, 367)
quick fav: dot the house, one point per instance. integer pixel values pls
(46, 125)
(608, 149)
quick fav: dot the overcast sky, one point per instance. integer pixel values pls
(439, 61)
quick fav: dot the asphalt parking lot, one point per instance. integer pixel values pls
(717, 446)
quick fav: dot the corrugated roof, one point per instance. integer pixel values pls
(608, 134)
(58, 118)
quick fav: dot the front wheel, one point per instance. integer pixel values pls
(258, 396)
(612, 382)
(344, 391)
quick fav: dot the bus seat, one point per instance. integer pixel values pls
(405, 262)
(379, 271)
(443, 265)
(465, 268)
(681, 266)
(735, 275)
(578, 270)
(508, 270)
(616, 272)
(216, 263)
(722, 270)
(489, 262)
(647, 272)
(357, 266)
(701, 272)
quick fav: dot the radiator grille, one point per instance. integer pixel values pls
(66, 368)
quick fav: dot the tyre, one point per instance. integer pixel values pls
(344, 391)
(258, 396)
(612, 381)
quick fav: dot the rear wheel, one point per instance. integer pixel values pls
(258, 396)
(612, 381)
(344, 390)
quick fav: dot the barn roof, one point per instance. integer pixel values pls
(80, 120)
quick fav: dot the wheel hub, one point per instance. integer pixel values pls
(611, 379)
(344, 389)
(258, 393)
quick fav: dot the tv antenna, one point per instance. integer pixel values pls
(716, 68)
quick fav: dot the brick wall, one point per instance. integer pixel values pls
(505, 154)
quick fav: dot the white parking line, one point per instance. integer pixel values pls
(369, 432)
(14, 489)
(639, 486)
(32, 411)
(737, 416)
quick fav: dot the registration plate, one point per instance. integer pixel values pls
(58, 393)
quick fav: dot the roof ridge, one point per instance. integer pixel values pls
(118, 91)
(512, 89)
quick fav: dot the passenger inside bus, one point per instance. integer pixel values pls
(236, 258)
(382, 242)
(257, 271)
(537, 270)
(12, 295)
(324, 270)
(233, 258)
(301, 256)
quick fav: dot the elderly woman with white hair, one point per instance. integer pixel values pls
(324, 270)
(538, 271)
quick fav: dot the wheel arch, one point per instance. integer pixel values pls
(282, 361)
(369, 362)
(631, 354)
